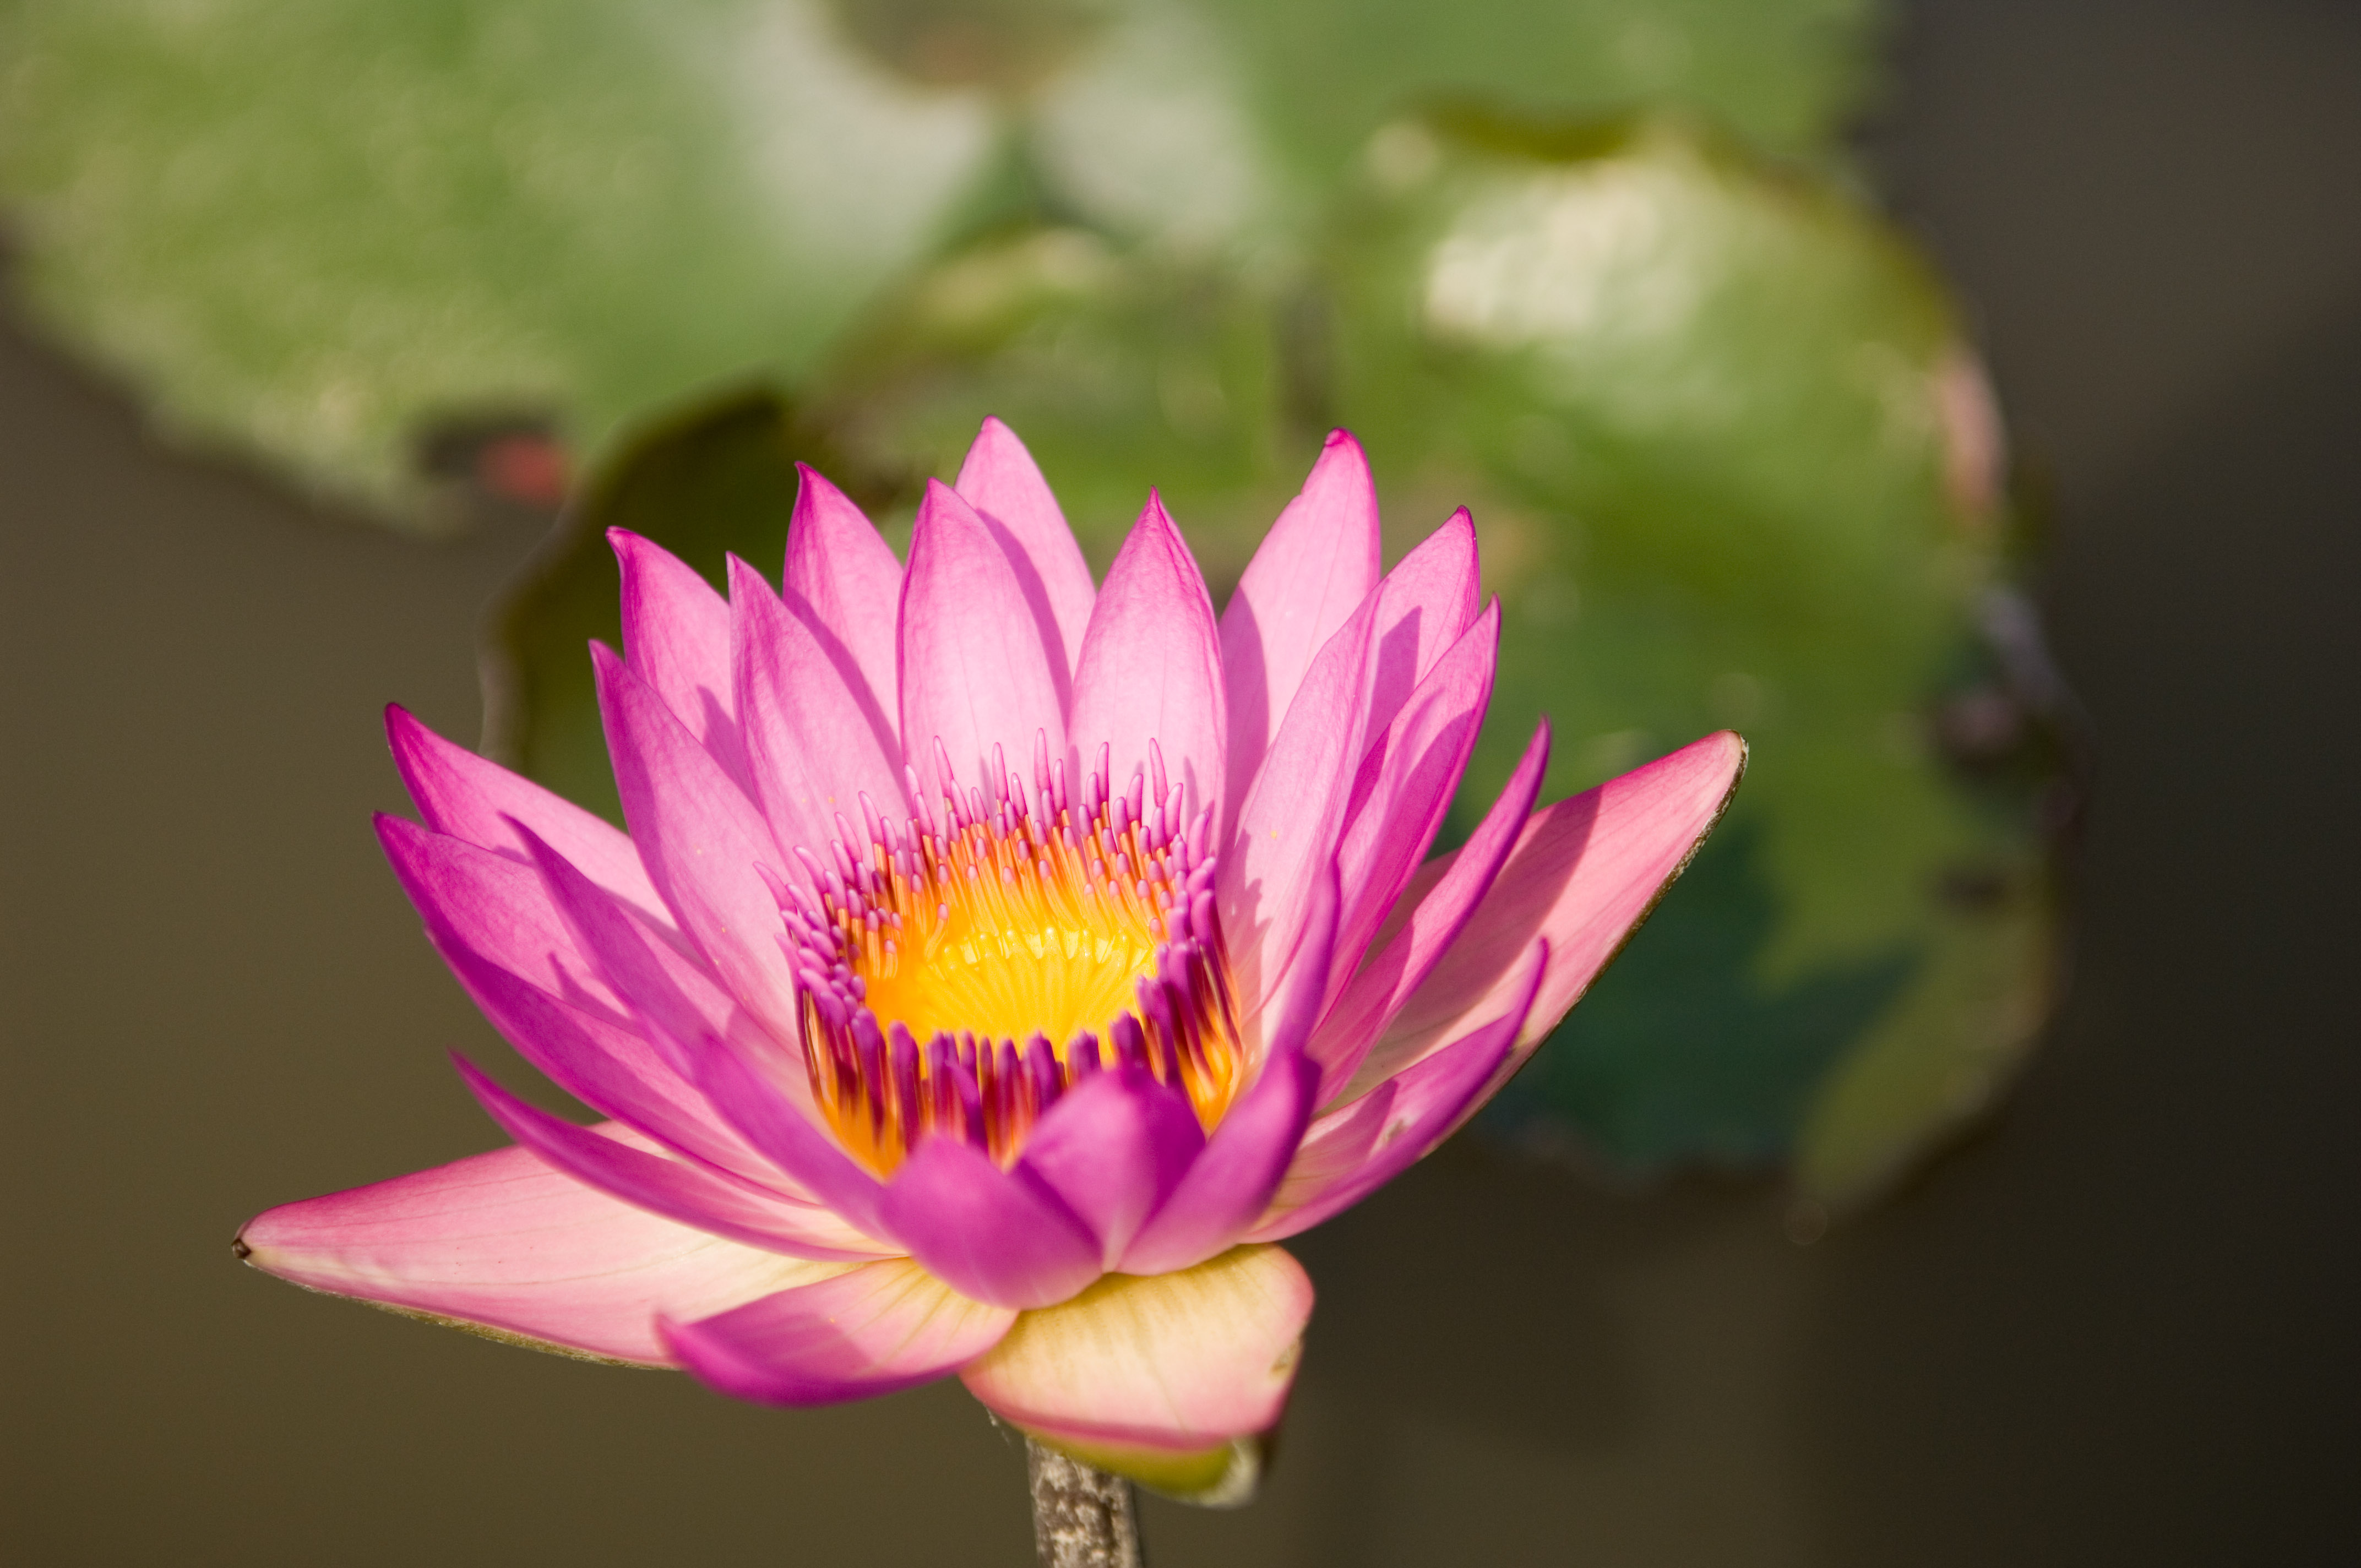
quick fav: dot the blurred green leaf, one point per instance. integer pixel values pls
(316, 231)
(321, 232)
(1732, 467)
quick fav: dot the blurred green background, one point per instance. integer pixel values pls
(2114, 1326)
(1603, 271)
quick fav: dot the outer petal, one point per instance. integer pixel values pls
(1151, 665)
(815, 739)
(701, 839)
(1003, 1236)
(1380, 1135)
(880, 1329)
(1005, 485)
(838, 564)
(673, 1189)
(504, 1245)
(1161, 1377)
(1583, 875)
(1226, 1189)
(1428, 925)
(1113, 1148)
(462, 794)
(1313, 569)
(677, 636)
(975, 670)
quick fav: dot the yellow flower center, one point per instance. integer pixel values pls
(963, 973)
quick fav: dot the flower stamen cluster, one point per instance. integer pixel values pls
(960, 972)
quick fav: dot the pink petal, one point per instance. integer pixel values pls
(1002, 1236)
(1409, 775)
(677, 636)
(1175, 1363)
(1230, 1183)
(1309, 784)
(1005, 485)
(701, 839)
(975, 670)
(1151, 665)
(774, 1121)
(673, 1189)
(1584, 874)
(497, 904)
(838, 565)
(815, 736)
(1352, 1154)
(462, 794)
(1425, 606)
(604, 1062)
(496, 925)
(1430, 917)
(1113, 1148)
(1312, 570)
(507, 1245)
(878, 1330)
(1289, 825)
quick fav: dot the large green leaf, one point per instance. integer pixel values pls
(1739, 472)
(319, 231)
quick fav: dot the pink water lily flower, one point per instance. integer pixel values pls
(996, 965)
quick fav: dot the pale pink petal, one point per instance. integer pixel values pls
(701, 839)
(1152, 666)
(462, 794)
(838, 563)
(1175, 1363)
(1350, 1154)
(1005, 485)
(882, 1328)
(1003, 1236)
(1405, 786)
(692, 1194)
(815, 739)
(1312, 570)
(1426, 919)
(1584, 874)
(1113, 1148)
(676, 637)
(506, 1245)
(976, 672)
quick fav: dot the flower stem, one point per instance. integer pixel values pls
(1082, 1518)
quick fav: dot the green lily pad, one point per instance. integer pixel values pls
(1734, 468)
(322, 233)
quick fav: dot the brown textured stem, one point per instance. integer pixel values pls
(1082, 1518)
